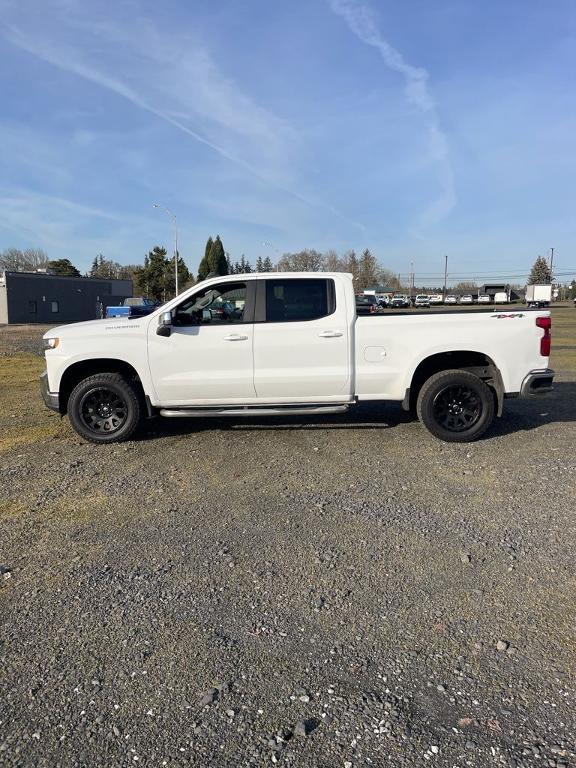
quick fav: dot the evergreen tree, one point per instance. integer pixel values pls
(352, 265)
(217, 258)
(540, 272)
(63, 267)
(229, 264)
(184, 275)
(208, 248)
(204, 267)
(259, 264)
(267, 265)
(153, 277)
(94, 268)
(245, 267)
(367, 276)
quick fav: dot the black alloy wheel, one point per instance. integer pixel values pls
(456, 406)
(105, 408)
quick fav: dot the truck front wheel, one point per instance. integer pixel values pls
(105, 408)
(456, 406)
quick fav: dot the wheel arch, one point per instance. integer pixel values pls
(479, 363)
(84, 368)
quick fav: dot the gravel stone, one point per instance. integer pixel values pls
(127, 639)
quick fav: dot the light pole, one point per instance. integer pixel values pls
(445, 275)
(173, 217)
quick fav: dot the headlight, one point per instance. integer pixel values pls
(51, 343)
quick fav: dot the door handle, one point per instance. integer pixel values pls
(330, 334)
(235, 337)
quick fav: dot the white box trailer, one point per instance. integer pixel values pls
(538, 295)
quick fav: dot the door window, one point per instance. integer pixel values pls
(294, 300)
(216, 305)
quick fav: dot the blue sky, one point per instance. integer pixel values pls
(415, 129)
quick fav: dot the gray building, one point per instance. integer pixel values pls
(38, 297)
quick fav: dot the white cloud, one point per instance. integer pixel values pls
(56, 224)
(363, 24)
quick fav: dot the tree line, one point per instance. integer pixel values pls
(155, 277)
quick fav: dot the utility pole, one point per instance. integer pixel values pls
(445, 275)
(551, 263)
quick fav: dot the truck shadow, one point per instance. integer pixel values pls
(559, 407)
(519, 415)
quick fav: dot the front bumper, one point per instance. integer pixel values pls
(51, 399)
(537, 383)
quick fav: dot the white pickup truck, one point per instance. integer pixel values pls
(292, 343)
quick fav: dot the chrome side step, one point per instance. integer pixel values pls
(288, 410)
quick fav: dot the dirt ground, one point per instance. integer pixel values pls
(345, 592)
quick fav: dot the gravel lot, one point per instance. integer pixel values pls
(344, 592)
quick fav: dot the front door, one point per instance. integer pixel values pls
(301, 341)
(208, 357)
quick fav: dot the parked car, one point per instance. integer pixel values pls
(299, 348)
(484, 298)
(224, 310)
(400, 300)
(367, 305)
(501, 297)
(422, 300)
(467, 299)
(134, 306)
(451, 299)
(436, 298)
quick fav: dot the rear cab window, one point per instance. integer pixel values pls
(297, 299)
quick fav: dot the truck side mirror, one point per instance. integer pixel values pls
(164, 324)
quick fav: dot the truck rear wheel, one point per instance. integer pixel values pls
(104, 408)
(456, 406)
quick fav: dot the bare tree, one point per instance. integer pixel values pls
(466, 286)
(308, 260)
(15, 260)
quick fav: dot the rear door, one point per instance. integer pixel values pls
(302, 340)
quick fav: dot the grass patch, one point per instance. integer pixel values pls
(563, 356)
(23, 418)
(11, 508)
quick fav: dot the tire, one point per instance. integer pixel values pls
(105, 408)
(456, 406)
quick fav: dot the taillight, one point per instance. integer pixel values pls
(546, 340)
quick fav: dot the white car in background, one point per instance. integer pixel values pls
(436, 298)
(451, 299)
(468, 299)
(484, 298)
(422, 300)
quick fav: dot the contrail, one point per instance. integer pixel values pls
(71, 64)
(362, 23)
